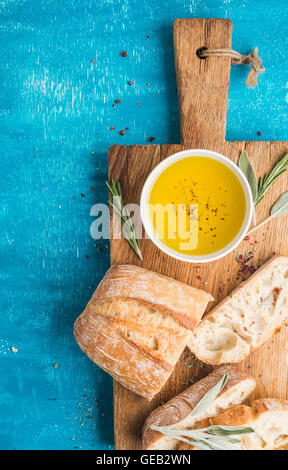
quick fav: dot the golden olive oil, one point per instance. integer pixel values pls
(211, 198)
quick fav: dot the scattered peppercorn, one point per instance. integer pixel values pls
(130, 83)
(246, 266)
(150, 139)
(82, 195)
(122, 132)
(93, 61)
(112, 128)
(259, 133)
(117, 101)
(123, 54)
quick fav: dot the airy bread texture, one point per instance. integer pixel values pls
(137, 325)
(268, 418)
(237, 390)
(247, 318)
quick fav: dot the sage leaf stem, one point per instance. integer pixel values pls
(279, 208)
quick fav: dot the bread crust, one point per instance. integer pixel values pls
(184, 303)
(181, 406)
(137, 325)
(129, 365)
(265, 267)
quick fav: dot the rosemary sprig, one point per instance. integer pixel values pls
(265, 183)
(211, 437)
(118, 205)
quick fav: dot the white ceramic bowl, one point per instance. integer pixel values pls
(146, 219)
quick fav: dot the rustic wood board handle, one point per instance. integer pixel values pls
(202, 83)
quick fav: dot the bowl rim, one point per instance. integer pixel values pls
(145, 216)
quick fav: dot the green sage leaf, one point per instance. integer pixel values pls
(210, 396)
(281, 206)
(228, 430)
(247, 168)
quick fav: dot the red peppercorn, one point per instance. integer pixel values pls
(82, 195)
(117, 101)
(122, 132)
(126, 128)
(148, 84)
(130, 83)
(93, 61)
(259, 133)
(124, 54)
(91, 188)
(112, 128)
(87, 256)
(138, 104)
(150, 139)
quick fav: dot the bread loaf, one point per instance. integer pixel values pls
(268, 418)
(247, 318)
(237, 389)
(137, 324)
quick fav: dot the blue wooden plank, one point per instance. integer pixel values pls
(56, 115)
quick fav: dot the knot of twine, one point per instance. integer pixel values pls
(237, 59)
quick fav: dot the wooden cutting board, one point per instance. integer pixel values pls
(203, 95)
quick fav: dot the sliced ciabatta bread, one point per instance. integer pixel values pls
(137, 325)
(245, 319)
(268, 418)
(237, 389)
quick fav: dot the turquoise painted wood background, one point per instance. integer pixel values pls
(61, 71)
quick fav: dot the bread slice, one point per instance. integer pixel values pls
(137, 325)
(268, 417)
(247, 318)
(237, 390)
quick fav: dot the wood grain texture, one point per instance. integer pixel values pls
(202, 85)
(203, 88)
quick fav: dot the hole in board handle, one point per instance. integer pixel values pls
(200, 51)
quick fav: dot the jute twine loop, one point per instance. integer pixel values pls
(237, 59)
